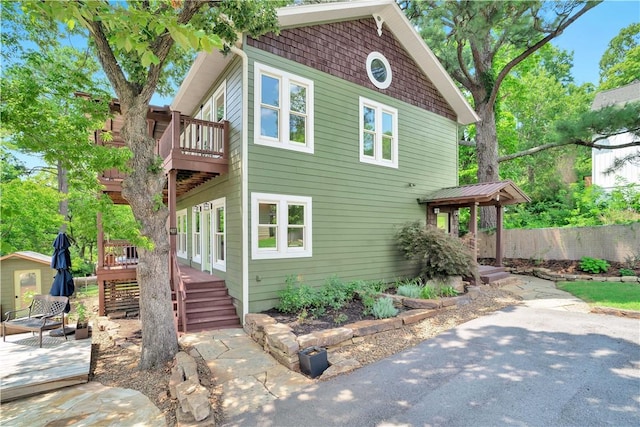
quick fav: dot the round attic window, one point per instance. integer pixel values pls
(379, 70)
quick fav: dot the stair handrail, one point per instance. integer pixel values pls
(180, 290)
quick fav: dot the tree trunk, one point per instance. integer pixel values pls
(143, 190)
(487, 155)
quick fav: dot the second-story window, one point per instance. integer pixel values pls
(283, 109)
(378, 133)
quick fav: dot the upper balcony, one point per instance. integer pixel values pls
(197, 149)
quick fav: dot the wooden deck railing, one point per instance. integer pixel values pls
(118, 254)
(188, 136)
(178, 286)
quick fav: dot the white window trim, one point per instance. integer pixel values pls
(215, 263)
(179, 216)
(221, 90)
(285, 80)
(282, 251)
(387, 82)
(377, 158)
(196, 252)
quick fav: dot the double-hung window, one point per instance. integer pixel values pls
(281, 226)
(181, 238)
(283, 109)
(219, 234)
(196, 234)
(378, 133)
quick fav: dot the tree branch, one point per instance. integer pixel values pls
(590, 144)
(162, 45)
(518, 59)
(123, 88)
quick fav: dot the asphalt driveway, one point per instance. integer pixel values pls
(523, 366)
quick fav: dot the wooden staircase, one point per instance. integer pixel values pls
(489, 273)
(208, 304)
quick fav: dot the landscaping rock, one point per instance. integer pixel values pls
(416, 315)
(281, 337)
(344, 366)
(325, 338)
(368, 327)
(422, 303)
(188, 365)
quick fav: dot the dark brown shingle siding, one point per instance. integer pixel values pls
(341, 49)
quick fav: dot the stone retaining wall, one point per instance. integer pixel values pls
(279, 340)
(545, 273)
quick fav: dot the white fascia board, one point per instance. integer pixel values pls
(204, 71)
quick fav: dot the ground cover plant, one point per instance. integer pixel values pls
(620, 295)
(309, 302)
(593, 265)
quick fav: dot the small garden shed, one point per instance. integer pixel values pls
(22, 272)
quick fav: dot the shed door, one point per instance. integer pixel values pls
(27, 283)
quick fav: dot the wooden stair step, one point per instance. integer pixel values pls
(213, 319)
(210, 310)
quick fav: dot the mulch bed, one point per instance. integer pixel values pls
(330, 319)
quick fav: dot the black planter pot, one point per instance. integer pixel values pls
(313, 361)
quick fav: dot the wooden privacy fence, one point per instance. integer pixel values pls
(610, 242)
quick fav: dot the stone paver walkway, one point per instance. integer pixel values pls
(250, 378)
(90, 404)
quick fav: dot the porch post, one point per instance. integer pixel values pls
(101, 284)
(473, 227)
(499, 236)
(171, 185)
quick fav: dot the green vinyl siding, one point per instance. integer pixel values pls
(356, 206)
(227, 186)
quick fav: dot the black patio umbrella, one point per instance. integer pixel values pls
(61, 261)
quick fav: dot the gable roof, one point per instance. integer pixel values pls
(620, 95)
(484, 194)
(29, 255)
(208, 66)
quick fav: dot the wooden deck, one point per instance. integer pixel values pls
(26, 370)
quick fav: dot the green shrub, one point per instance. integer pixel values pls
(429, 292)
(627, 272)
(593, 265)
(439, 254)
(409, 290)
(296, 297)
(447, 291)
(383, 308)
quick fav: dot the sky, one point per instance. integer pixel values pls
(588, 38)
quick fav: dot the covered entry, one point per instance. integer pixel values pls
(443, 205)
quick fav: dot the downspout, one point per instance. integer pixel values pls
(245, 179)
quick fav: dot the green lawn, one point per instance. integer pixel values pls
(621, 295)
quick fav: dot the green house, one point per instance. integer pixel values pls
(22, 273)
(322, 138)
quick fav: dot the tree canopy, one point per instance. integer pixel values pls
(479, 44)
(142, 48)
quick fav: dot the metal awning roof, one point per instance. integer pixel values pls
(485, 194)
